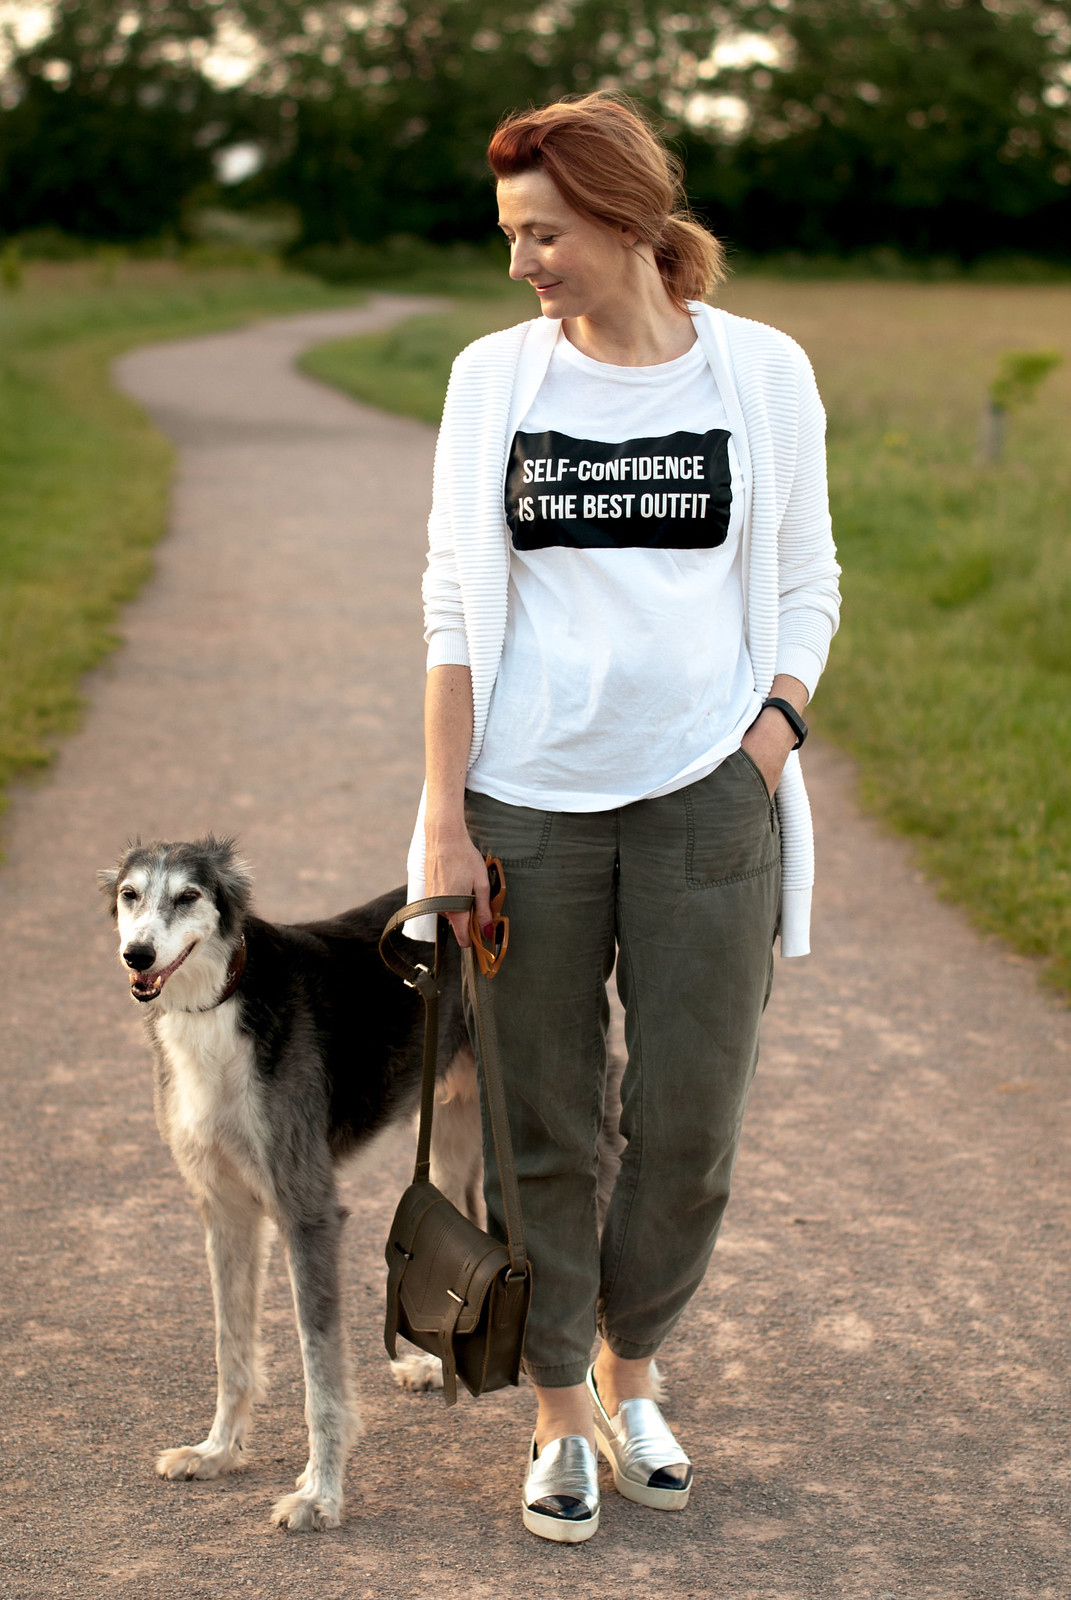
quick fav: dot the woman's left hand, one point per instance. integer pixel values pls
(771, 738)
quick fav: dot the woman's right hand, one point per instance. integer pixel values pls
(453, 865)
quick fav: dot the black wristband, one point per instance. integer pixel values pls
(791, 716)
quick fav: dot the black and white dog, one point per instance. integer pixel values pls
(280, 1050)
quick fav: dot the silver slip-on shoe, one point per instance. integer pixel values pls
(648, 1464)
(561, 1490)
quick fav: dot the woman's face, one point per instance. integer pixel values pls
(575, 266)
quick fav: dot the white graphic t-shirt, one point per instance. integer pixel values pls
(624, 672)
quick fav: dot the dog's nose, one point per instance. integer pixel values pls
(139, 956)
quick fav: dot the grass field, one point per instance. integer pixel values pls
(83, 475)
(950, 680)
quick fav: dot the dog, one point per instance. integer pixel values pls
(281, 1050)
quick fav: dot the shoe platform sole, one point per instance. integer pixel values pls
(561, 1529)
(641, 1493)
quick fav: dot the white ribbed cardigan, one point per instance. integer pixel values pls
(791, 598)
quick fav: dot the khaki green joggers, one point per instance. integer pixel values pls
(684, 891)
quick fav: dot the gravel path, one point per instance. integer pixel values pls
(873, 1381)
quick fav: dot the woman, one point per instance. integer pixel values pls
(630, 593)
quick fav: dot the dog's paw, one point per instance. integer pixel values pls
(198, 1461)
(308, 1510)
(417, 1372)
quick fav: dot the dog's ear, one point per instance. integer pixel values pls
(108, 884)
(234, 881)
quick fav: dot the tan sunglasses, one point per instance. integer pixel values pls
(489, 958)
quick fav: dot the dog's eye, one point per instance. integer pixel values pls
(128, 894)
(187, 897)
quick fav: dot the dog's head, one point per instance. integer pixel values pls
(179, 908)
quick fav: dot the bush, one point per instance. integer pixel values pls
(52, 244)
(400, 256)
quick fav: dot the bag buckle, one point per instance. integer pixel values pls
(425, 982)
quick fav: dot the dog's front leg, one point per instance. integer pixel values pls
(235, 1227)
(312, 1249)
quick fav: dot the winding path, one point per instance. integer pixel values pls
(873, 1381)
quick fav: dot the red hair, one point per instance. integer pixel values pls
(608, 164)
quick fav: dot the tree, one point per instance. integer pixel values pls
(112, 122)
(934, 125)
(385, 110)
(938, 125)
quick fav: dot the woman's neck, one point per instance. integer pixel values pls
(637, 326)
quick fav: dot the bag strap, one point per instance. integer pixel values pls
(426, 982)
(499, 1118)
(417, 976)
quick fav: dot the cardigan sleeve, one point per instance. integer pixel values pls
(444, 617)
(808, 591)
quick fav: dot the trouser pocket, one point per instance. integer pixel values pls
(732, 826)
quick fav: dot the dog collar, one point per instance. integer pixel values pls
(234, 977)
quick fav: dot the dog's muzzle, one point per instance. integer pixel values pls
(145, 986)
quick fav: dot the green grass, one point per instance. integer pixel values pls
(950, 680)
(406, 368)
(83, 475)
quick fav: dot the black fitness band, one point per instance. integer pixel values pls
(791, 715)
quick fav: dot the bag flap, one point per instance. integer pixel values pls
(446, 1252)
(416, 1200)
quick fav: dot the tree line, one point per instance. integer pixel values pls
(933, 126)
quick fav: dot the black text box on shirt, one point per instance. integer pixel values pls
(669, 493)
